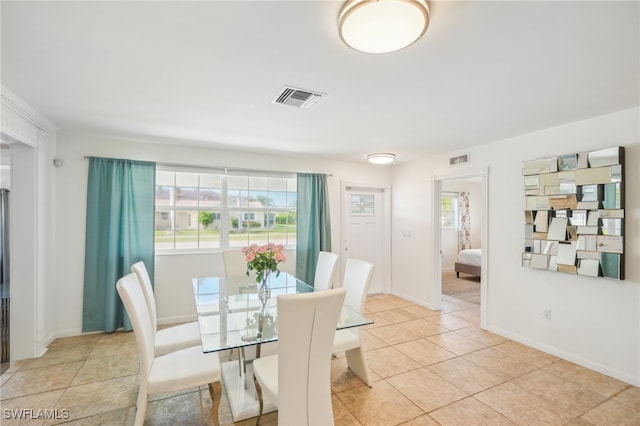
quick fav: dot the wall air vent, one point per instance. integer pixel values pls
(459, 160)
(299, 98)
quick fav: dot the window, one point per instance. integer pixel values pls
(270, 220)
(362, 205)
(449, 210)
(208, 209)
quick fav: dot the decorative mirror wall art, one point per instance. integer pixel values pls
(574, 213)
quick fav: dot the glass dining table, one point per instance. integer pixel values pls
(233, 314)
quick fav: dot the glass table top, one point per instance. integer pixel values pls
(231, 314)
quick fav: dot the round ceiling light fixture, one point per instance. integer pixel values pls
(382, 26)
(381, 158)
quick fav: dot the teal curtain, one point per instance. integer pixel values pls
(313, 223)
(120, 232)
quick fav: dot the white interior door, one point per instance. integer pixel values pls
(364, 230)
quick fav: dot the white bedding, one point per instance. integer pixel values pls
(470, 257)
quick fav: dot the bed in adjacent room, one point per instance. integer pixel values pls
(469, 262)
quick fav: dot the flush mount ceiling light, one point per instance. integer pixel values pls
(381, 158)
(381, 26)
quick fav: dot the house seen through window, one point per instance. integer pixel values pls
(203, 209)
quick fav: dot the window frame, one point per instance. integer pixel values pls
(224, 212)
(454, 213)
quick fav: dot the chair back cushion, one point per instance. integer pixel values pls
(306, 328)
(235, 263)
(134, 301)
(141, 272)
(325, 269)
(357, 278)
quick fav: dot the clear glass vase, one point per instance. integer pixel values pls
(264, 292)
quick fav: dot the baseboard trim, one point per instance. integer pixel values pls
(416, 301)
(177, 319)
(42, 345)
(72, 332)
(568, 356)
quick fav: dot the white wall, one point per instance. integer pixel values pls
(450, 238)
(173, 272)
(595, 322)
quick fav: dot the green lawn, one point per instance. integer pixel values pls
(280, 234)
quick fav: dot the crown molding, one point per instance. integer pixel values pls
(21, 123)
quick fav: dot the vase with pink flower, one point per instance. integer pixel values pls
(264, 260)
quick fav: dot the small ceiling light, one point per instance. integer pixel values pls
(381, 158)
(381, 26)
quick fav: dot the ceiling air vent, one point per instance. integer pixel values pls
(298, 98)
(459, 160)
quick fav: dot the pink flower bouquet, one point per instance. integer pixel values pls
(264, 260)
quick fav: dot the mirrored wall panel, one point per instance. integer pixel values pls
(574, 213)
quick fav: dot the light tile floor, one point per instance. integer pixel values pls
(429, 368)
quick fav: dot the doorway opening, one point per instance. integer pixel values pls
(461, 243)
(5, 352)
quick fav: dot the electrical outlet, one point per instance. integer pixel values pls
(546, 314)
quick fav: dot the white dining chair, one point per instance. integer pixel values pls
(357, 278)
(298, 379)
(235, 263)
(181, 369)
(325, 270)
(171, 338)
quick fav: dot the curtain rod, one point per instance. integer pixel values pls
(225, 168)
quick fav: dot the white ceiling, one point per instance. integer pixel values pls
(206, 72)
